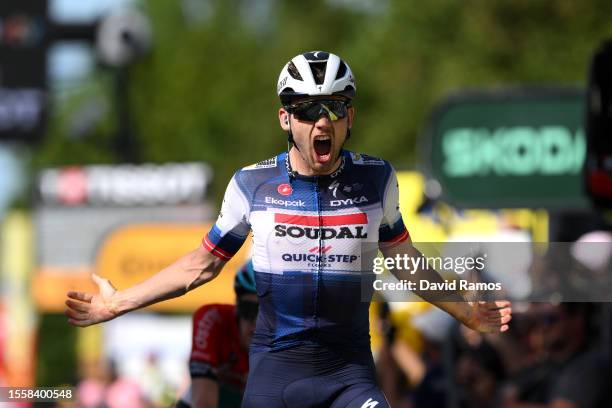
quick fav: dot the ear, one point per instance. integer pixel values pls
(283, 119)
(351, 115)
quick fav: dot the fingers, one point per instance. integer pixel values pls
(84, 309)
(78, 311)
(498, 310)
(499, 319)
(495, 315)
(83, 297)
(78, 306)
(495, 305)
(79, 323)
(75, 314)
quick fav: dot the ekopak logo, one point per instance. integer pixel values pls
(284, 189)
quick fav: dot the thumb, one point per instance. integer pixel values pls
(105, 286)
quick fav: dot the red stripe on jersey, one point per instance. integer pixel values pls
(210, 247)
(323, 220)
(395, 241)
(401, 237)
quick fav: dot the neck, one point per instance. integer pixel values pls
(301, 166)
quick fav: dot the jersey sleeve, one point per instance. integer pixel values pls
(392, 230)
(205, 344)
(232, 227)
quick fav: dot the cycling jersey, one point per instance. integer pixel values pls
(216, 353)
(309, 235)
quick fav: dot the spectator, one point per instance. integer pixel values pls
(573, 375)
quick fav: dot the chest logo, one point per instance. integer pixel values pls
(321, 227)
(284, 189)
(348, 201)
(334, 187)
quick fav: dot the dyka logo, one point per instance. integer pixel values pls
(370, 403)
(348, 201)
(284, 189)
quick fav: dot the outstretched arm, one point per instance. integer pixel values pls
(188, 272)
(486, 317)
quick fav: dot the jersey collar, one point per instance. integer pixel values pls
(294, 174)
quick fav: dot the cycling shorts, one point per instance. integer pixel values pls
(313, 376)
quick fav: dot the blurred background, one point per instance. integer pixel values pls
(121, 122)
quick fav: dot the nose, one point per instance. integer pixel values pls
(324, 121)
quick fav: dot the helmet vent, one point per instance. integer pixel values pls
(341, 70)
(293, 71)
(318, 71)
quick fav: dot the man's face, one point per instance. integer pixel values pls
(319, 140)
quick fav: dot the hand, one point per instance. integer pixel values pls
(488, 317)
(86, 309)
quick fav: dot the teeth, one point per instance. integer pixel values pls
(322, 138)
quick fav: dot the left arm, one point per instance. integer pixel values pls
(485, 317)
(394, 239)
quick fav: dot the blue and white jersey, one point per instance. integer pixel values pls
(313, 240)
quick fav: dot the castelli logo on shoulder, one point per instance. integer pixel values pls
(284, 189)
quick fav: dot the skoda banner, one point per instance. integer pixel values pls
(509, 148)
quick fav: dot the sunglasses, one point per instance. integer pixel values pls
(311, 111)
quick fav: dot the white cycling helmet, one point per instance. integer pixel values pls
(315, 73)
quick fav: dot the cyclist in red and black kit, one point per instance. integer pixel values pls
(219, 360)
(316, 212)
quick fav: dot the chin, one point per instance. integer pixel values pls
(323, 168)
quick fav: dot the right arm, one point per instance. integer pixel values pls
(188, 272)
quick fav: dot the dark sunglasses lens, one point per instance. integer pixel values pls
(312, 111)
(309, 112)
(338, 108)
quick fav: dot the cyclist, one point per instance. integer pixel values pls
(316, 213)
(219, 362)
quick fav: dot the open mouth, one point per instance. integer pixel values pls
(322, 148)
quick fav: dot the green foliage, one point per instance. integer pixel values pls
(56, 361)
(207, 91)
